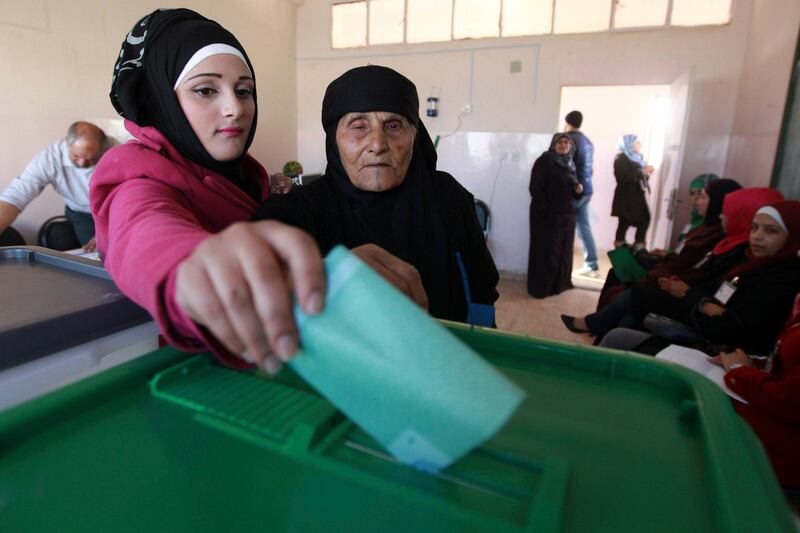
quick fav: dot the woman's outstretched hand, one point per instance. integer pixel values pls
(237, 284)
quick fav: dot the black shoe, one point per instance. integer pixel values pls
(569, 322)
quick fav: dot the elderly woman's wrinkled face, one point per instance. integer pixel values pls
(375, 149)
(767, 237)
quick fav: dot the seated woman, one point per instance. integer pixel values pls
(381, 187)
(673, 297)
(773, 394)
(554, 192)
(763, 287)
(703, 240)
(696, 245)
(748, 306)
(171, 206)
(699, 184)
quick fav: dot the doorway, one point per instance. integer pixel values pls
(610, 111)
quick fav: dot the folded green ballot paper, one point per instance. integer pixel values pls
(625, 265)
(396, 372)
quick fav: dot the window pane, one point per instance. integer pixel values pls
(699, 12)
(527, 17)
(349, 25)
(429, 20)
(578, 16)
(638, 13)
(474, 19)
(386, 21)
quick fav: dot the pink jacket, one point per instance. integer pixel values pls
(151, 208)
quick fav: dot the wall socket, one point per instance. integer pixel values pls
(467, 108)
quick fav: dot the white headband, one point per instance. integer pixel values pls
(772, 212)
(208, 51)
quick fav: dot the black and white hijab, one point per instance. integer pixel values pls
(155, 56)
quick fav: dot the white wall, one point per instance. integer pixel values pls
(763, 88)
(57, 58)
(529, 101)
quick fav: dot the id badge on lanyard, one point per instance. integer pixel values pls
(703, 261)
(726, 290)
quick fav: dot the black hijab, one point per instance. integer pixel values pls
(716, 191)
(152, 57)
(405, 220)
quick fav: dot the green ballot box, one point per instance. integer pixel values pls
(603, 441)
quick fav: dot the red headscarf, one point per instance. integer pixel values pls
(739, 208)
(789, 210)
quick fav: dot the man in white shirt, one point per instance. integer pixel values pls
(67, 165)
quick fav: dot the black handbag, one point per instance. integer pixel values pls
(690, 335)
(672, 330)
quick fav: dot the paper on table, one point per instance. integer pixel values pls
(698, 361)
(396, 372)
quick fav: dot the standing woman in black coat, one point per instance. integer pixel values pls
(554, 192)
(630, 204)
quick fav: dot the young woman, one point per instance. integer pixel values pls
(753, 300)
(697, 186)
(554, 192)
(630, 203)
(170, 206)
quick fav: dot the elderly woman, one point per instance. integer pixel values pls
(554, 192)
(381, 188)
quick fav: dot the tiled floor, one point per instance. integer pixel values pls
(520, 313)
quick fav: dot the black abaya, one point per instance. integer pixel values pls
(552, 225)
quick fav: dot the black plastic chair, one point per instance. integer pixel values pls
(57, 233)
(484, 217)
(11, 237)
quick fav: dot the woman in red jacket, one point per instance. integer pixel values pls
(773, 393)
